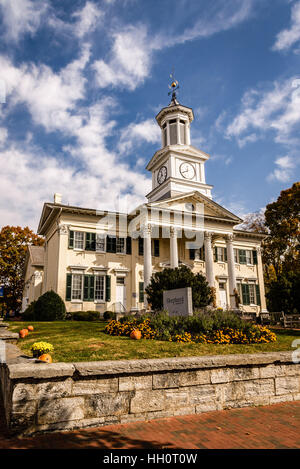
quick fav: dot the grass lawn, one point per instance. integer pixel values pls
(76, 341)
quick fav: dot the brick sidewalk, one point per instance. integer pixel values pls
(268, 427)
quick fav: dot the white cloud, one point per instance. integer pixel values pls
(3, 135)
(129, 61)
(288, 37)
(277, 109)
(87, 19)
(135, 134)
(22, 16)
(285, 169)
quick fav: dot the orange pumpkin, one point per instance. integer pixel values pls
(46, 357)
(136, 334)
(23, 333)
(30, 328)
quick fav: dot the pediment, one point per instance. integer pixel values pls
(208, 206)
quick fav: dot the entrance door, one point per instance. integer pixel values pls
(222, 295)
(120, 295)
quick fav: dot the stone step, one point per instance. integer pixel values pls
(3, 325)
(10, 337)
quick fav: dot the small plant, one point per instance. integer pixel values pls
(108, 315)
(41, 348)
(86, 316)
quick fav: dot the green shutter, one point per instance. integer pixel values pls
(257, 295)
(108, 288)
(245, 294)
(156, 247)
(90, 241)
(254, 253)
(242, 256)
(71, 239)
(216, 254)
(111, 245)
(141, 292)
(86, 287)
(192, 254)
(202, 253)
(225, 254)
(141, 246)
(128, 245)
(69, 287)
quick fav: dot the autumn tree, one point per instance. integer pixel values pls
(254, 222)
(13, 247)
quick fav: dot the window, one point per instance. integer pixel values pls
(141, 246)
(120, 280)
(156, 247)
(100, 242)
(252, 293)
(99, 287)
(242, 256)
(173, 132)
(249, 257)
(77, 287)
(236, 255)
(220, 254)
(120, 246)
(78, 239)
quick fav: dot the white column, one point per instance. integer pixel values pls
(147, 255)
(209, 261)
(187, 133)
(231, 270)
(168, 133)
(173, 248)
(178, 131)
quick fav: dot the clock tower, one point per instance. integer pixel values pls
(178, 167)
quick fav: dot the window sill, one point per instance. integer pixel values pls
(78, 250)
(99, 302)
(76, 301)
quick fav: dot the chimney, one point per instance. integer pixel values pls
(57, 198)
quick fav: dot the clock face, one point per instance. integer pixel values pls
(162, 175)
(187, 170)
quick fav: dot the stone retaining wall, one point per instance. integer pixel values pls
(63, 396)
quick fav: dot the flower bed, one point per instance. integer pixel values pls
(214, 328)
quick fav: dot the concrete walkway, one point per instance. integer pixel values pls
(269, 427)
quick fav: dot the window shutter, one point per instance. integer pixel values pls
(156, 247)
(216, 254)
(108, 288)
(111, 244)
(71, 239)
(128, 245)
(141, 246)
(225, 254)
(69, 287)
(242, 256)
(192, 254)
(141, 292)
(90, 241)
(245, 294)
(254, 253)
(257, 295)
(202, 253)
(86, 287)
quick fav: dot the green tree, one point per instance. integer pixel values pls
(13, 247)
(170, 279)
(49, 307)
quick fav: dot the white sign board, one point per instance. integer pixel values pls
(179, 302)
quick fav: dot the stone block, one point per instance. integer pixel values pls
(165, 380)
(23, 414)
(46, 390)
(133, 383)
(176, 398)
(268, 371)
(222, 375)
(206, 407)
(147, 401)
(287, 385)
(40, 370)
(60, 410)
(94, 386)
(202, 393)
(107, 404)
(245, 373)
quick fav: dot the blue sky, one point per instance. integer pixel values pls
(83, 80)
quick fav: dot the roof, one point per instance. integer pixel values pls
(36, 255)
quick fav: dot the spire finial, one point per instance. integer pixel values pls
(173, 87)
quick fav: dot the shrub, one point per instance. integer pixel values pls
(49, 307)
(108, 315)
(216, 327)
(86, 316)
(170, 279)
(28, 314)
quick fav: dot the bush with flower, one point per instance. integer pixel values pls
(215, 327)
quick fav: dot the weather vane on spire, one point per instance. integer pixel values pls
(173, 87)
